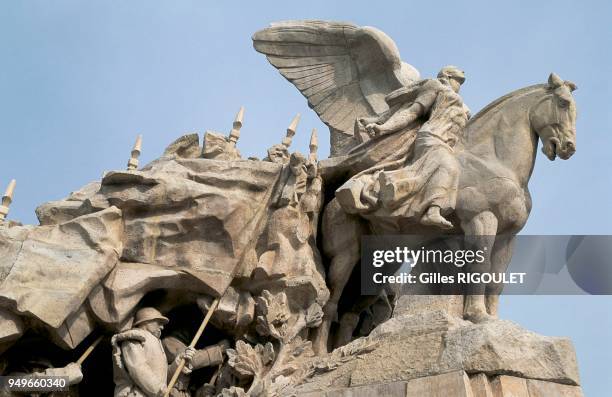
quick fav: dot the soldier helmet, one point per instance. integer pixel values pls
(452, 72)
(149, 314)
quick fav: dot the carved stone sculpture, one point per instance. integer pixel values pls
(279, 153)
(7, 199)
(383, 170)
(133, 161)
(217, 146)
(140, 366)
(249, 259)
(202, 358)
(427, 186)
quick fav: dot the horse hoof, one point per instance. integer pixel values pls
(478, 317)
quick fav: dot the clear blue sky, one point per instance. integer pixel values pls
(79, 80)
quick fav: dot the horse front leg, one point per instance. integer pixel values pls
(340, 270)
(350, 319)
(500, 259)
(341, 240)
(480, 232)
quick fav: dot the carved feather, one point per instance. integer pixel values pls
(345, 71)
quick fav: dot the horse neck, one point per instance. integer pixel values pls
(503, 136)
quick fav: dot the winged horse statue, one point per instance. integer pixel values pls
(346, 72)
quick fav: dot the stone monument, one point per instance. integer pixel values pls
(245, 263)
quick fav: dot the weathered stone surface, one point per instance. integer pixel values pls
(218, 147)
(54, 212)
(498, 347)
(74, 329)
(421, 323)
(538, 388)
(481, 386)
(430, 343)
(195, 207)
(56, 266)
(456, 384)
(395, 389)
(187, 146)
(411, 349)
(48, 272)
(236, 309)
(181, 210)
(113, 300)
(190, 224)
(416, 304)
(509, 386)
(11, 328)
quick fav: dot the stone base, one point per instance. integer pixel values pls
(408, 305)
(457, 384)
(423, 349)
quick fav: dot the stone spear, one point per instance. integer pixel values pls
(236, 126)
(133, 161)
(291, 131)
(7, 199)
(90, 349)
(194, 341)
(314, 145)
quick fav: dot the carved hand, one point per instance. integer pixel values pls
(74, 373)
(368, 120)
(187, 355)
(375, 129)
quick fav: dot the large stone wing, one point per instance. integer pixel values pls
(345, 71)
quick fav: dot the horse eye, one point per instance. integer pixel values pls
(563, 102)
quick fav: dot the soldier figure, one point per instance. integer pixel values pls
(140, 365)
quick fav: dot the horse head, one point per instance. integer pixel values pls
(554, 119)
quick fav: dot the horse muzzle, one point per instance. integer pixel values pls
(567, 150)
(552, 148)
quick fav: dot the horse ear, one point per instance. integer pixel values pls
(572, 86)
(554, 80)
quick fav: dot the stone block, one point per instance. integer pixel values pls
(11, 326)
(395, 389)
(501, 347)
(417, 304)
(456, 384)
(480, 386)
(539, 388)
(509, 386)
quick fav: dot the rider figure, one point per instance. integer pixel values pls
(437, 101)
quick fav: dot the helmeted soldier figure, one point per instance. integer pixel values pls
(140, 366)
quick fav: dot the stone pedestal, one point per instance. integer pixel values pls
(457, 384)
(417, 304)
(427, 350)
